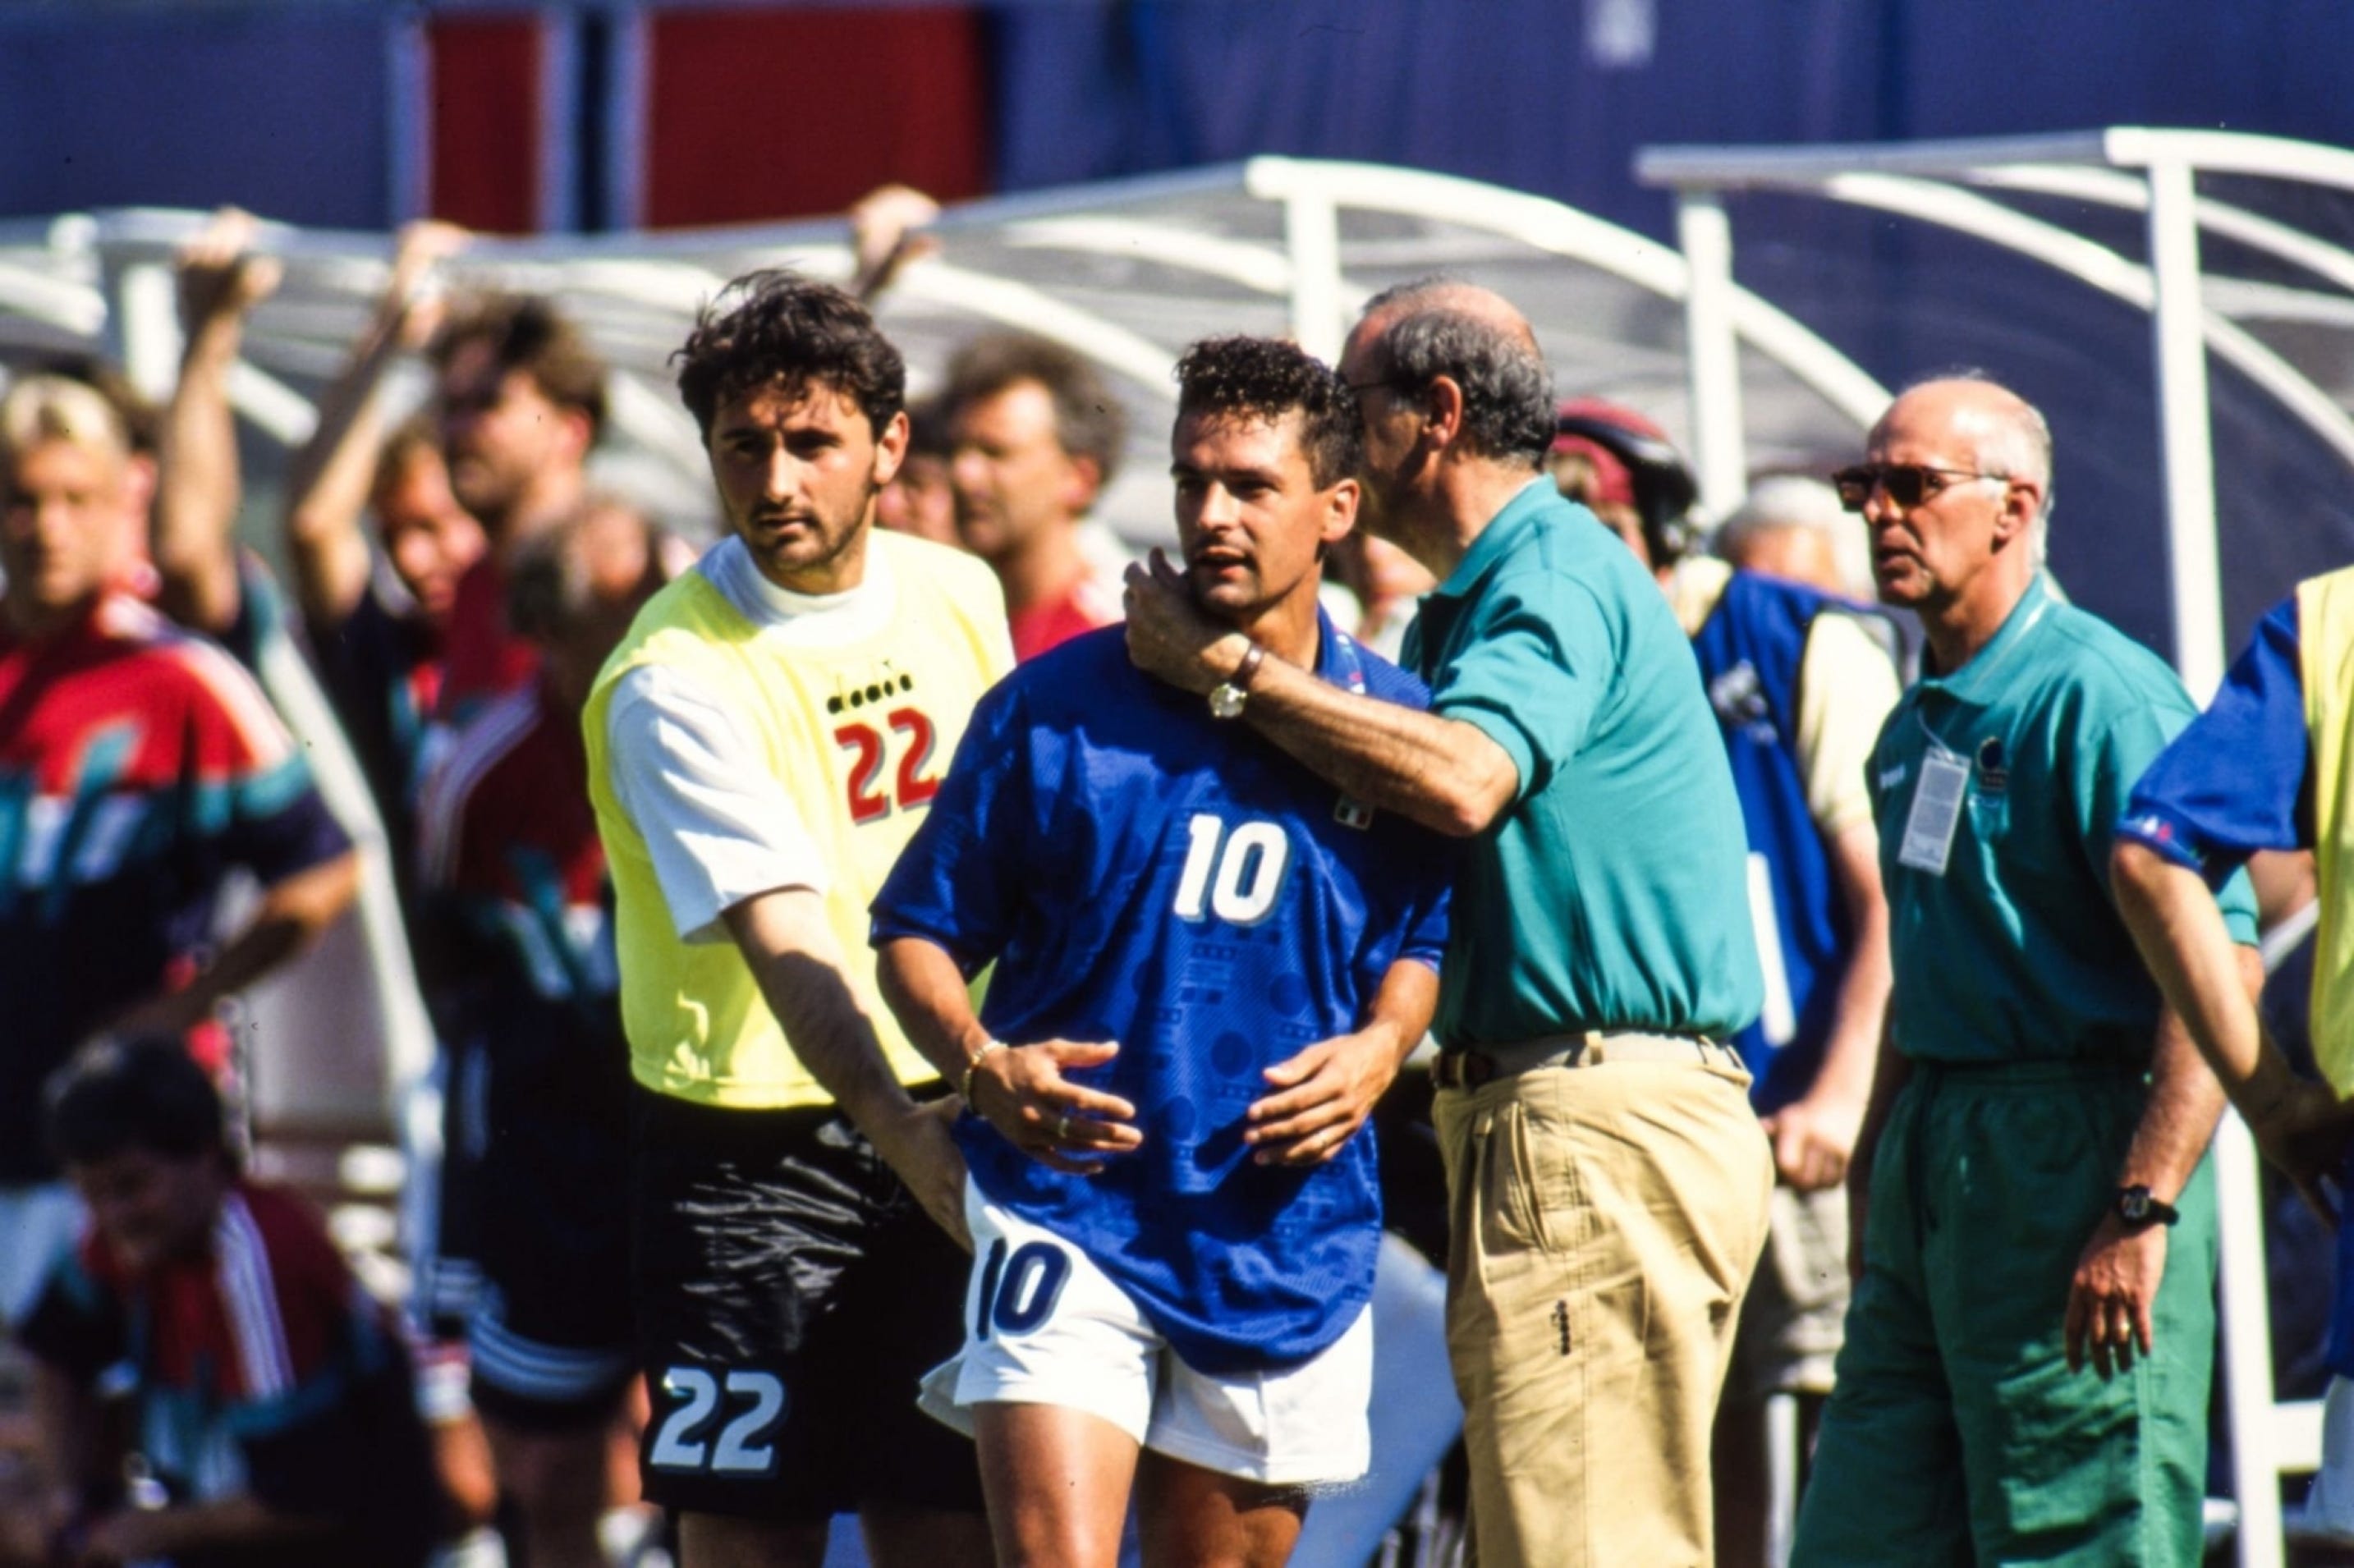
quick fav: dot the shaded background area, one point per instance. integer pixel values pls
(601, 114)
(605, 115)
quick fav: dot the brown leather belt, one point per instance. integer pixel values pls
(1593, 1048)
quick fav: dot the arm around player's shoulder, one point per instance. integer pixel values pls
(1389, 681)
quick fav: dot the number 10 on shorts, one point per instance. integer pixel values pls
(1018, 1288)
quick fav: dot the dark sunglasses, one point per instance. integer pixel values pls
(1908, 483)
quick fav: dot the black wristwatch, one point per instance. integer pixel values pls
(2136, 1208)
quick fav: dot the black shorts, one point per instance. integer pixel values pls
(550, 1336)
(448, 1261)
(789, 1295)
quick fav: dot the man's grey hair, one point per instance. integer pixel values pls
(1508, 401)
(2017, 445)
(1798, 501)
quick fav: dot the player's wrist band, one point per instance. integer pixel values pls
(972, 1065)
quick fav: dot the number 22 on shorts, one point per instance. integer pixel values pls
(743, 1446)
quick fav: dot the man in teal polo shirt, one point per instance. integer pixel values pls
(1607, 1180)
(2028, 1352)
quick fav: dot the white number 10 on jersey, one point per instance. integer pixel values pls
(1239, 873)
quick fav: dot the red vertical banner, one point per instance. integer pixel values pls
(487, 121)
(754, 114)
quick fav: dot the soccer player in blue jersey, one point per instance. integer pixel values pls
(2264, 769)
(1209, 964)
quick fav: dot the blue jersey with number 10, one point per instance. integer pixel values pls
(1143, 873)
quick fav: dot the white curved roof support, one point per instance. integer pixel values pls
(654, 419)
(1547, 224)
(1257, 268)
(2181, 328)
(1014, 305)
(75, 307)
(277, 409)
(2107, 188)
(2102, 268)
(2231, 153)
(2180, 343)
(1712, 353)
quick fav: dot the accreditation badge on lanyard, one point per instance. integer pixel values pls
(1936, 811)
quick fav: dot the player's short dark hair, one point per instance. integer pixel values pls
(776, 328)
(528, 332)
(1507, 402)
(1266, 378)
(147, 1093)
(1089, 421)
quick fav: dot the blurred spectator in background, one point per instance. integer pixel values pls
(1792, 526)
(1622, 466)
(1386, 584)
(203, 579)
(521, 400)
(919, 500)
(517, 903)
(1801, 684)
(139, 767)
(270, 1411)
(886, 227)
(1035, 436)
(141, 424)
(378, 615)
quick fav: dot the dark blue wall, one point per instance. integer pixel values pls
(1507, 90)
(281, 111)
(286, 109)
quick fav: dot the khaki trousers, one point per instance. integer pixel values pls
(1603, 1223)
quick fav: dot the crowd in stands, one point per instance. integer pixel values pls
(694, 1021)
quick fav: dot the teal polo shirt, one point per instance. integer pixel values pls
(1613, 892)
(2013, 949)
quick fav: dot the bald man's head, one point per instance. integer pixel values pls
(1412, 335)
(2003, 432)
(1450, 294)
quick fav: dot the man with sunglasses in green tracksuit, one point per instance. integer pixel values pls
(2028, 1353)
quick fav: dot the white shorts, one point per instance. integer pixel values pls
(2329, 1506)
(1061, 1333)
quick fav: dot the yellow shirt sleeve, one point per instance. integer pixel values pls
(1847, 683)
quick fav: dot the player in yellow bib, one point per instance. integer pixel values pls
(760, 747)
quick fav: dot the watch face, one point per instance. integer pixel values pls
(2133, 1204)
(1226, 702)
